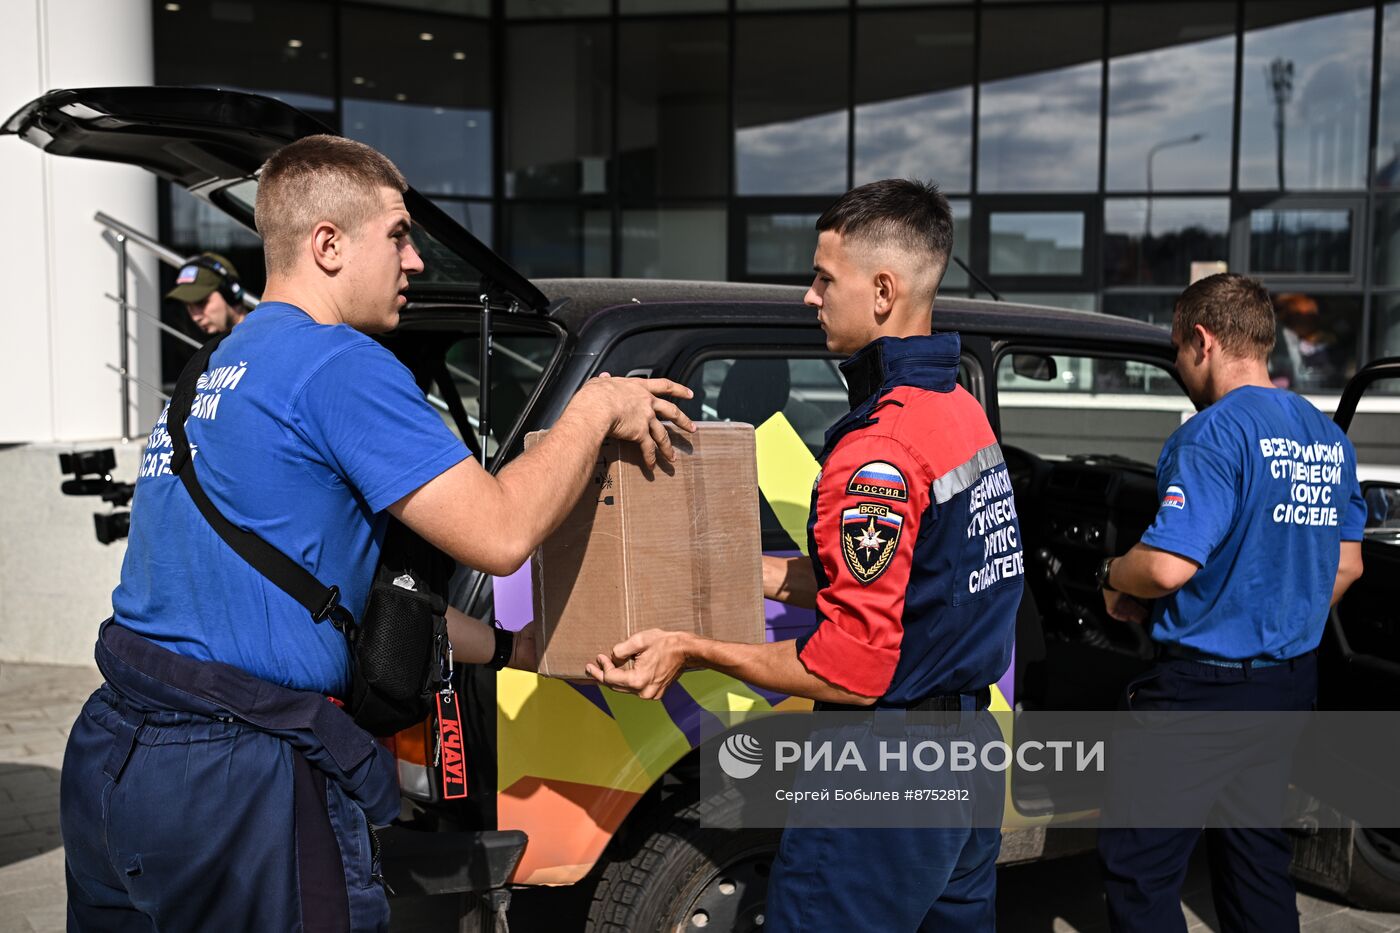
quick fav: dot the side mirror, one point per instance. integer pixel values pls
(1034, 366)
(1382, 509)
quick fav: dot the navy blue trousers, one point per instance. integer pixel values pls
(1143, 869)
(893, 880)
(173, 820)
(891, 877)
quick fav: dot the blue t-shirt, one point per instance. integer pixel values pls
(303, 433)
(1259, 489)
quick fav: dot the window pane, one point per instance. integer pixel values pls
(434, 119)
(1039, 118)
(559, 240)
(558, 106)
(1385, 265)
(1388, 130)
(281, 49)
(517, 363)
(1300, 241)
(672, 6)
(531, 9)
(197, 224)
(1316, 73)
(1386, 326)
(464, 7)
(673, 108)
(475, 216)
(1036, 243)
(1089, 405)
(914, 97)
(810, 393)
(788, 4)
(1171, 82)
(679, 243)
(790, 105)
(1182, 231)
(954, 277)
(1318, 336)
(1152, 308)
(780, 244)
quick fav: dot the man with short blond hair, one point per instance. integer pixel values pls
(317, 178)
(208, 784)
(1240, 578)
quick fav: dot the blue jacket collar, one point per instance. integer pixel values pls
(925, 362)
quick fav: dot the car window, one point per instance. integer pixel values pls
(1383, 512)
(518, 360)
(809, 392)
(1064, 404)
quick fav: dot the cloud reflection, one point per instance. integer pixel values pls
(1040, 132)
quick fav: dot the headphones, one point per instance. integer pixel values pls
(229, 287)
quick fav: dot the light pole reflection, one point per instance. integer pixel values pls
(1279, 75)
(1152, 154)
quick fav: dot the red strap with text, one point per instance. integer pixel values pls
(452, 755)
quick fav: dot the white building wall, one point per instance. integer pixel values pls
(59, 330)
(54, 264)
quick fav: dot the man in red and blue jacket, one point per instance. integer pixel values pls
(916, 570)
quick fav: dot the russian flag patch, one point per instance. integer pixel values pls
(1175, 498)
(879, 479)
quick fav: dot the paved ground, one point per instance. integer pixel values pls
(37, 704)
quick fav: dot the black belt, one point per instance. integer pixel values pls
(1181, 653)
(948, 703)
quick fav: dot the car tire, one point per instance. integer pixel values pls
(673, 873)
(1375, 872)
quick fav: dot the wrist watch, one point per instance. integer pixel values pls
(1105, 569)
(505, 647)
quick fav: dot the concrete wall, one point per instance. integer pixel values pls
(54, 264)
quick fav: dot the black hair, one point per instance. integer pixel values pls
(908, 213)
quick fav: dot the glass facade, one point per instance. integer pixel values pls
(1097, 154)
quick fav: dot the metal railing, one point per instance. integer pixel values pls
(122, 235)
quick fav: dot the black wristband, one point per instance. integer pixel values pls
(505, 647)
(1105, 570)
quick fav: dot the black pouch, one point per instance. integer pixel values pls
(400, 654)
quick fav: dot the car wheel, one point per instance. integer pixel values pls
(1375, 870)
(682, 876)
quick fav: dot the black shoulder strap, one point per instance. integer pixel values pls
(296, 581)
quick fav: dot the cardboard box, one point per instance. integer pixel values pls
(677, 548)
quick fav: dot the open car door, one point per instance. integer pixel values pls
(213, 142)
(1359, 669)
(1360, 651)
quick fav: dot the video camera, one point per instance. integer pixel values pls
(92, 476)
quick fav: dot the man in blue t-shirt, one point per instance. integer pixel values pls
(208, 783)
(1257, 535)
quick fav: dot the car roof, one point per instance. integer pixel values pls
(626, 304)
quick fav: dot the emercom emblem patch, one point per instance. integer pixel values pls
(869, 535)
(879, 479)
